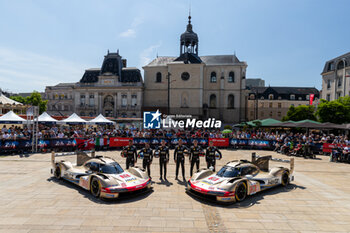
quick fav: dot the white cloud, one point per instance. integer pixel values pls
(23, 71)
(128, 33)
(131, 32)
(148, 54)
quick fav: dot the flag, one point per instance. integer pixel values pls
(311, 99)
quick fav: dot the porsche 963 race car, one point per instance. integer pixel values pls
(102, 176)
(239, 179)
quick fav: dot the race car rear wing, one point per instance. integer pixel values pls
(82, 156)
(263, 162)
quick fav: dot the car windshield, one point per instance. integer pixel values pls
(227, 171)
(111, 168)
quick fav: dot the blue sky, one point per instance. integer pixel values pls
(284, 42)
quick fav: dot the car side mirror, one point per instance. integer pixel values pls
(249, 176)
(211, 168)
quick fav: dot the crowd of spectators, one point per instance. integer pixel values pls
(63, 131)
(286, 142)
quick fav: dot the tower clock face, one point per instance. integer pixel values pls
(185, 76)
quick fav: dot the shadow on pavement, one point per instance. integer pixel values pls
(123, 198)
(164, 182)
(250, 200)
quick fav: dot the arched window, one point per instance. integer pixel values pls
(212, 101)
(340, 65)
(231, 77)
(108, 101)
(159, 77)
(213, 77)
(292, 97)
(271, 97)
(230, 101)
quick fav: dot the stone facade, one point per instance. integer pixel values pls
(335, 78)
(274, 102)
(202, 86)
(114, 91)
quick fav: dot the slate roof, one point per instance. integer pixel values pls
(208, 60)
(284, 92)
(328, 67)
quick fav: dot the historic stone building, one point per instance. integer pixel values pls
(203, 86)
(274, 102)
(114, 90)
(335, 78)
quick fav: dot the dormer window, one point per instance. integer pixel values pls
(271, 97)
(292, 97)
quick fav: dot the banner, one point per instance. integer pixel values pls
(85, 144)
(311, 98)
(62, 142)
(102, 141)
(328, 147)
(220, 142)
(119, 142)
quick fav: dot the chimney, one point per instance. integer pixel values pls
(124, 62)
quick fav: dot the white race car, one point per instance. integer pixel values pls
(102, 176)
(240, 178)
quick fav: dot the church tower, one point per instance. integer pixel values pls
(189, 45)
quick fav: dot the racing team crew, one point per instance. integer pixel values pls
(162, 152)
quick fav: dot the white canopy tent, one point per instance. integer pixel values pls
(11, 118)
(46, 118)
(100, 120)
(73, 119)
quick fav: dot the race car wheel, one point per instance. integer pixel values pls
(57, 173)
(241, 191)
(285, 178)
(95, 187)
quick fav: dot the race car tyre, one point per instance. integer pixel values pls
(95, 188)
(241, 191)
(285, 178)
(57, 172)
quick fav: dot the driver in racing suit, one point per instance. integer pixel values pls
(131, 154)
(194, 155)
(163, 158)
(210, 155)
(147, 158)
(179, 158)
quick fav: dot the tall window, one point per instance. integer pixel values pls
(133, 100)
(159, 77)
(339, 82)
(82, 99)
(231, 77)
(328, 84)
(124, 100)
(212, 101)
(279, 105)
(230, 101)
(92, 100)
(213, 77)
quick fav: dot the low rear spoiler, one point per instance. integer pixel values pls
(82, 156)
(263, 162)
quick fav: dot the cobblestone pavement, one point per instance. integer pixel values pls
(32, 201)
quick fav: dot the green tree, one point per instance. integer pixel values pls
(34, 99)
(302, 112)
(336, 111)
(18, 98)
